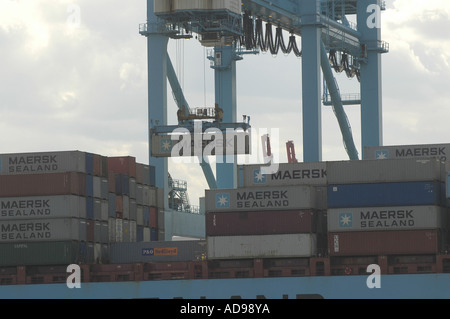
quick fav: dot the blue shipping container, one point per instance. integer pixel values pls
(384, 194)
(111, 205)
(146, 216)
(89, 185)
(153, 234)
(89, 163)
(139, 233)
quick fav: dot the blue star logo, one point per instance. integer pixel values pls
(382, 154)
(222, 200)
(345, 220)
(166, 145)
(258, 177)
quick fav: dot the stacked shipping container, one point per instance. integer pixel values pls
(71, 206)
(269, 216)
(389, 207)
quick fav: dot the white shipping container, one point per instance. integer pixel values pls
(441, 151)
(42, 162)
(149, 196)
(126, 231)
(260, 198)
(104, 210)
(140, 215)
(133, 231)
(13, 208)
(112, 230)
(261, 246)
(97, 181)
(287, 174)
(146, 235)
(386, 218)
(376, 171)
(97, 253)
(119, 230)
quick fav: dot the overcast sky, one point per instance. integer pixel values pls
(73, 75)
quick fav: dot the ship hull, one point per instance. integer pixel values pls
(417, 286)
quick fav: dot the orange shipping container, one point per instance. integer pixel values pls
(123, 165)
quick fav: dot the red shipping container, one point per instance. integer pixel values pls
(384, 242)
(97, 165)
(261, 223)
(153, 217)
(123, 165)
(43, 184)
(119, 204)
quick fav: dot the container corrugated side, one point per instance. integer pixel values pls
(42, 253)
(43, 184)
(384, 194)
(42, 162)
(162, 6)
(384, 242)
(167, 251)
(386, 218)
(261, 246)
(260, 198)
(122, 165)
(288, 174)
(375, 171)
(441, 151)
(58, 229)
(261, 223)
(14, 208)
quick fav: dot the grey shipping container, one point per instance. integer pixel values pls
(287, 174)
(441, 151)
(13, 208)
(42, 162)
(375, 171)
(167, 251)
(262, 246)
(386, 218)
(60, 229)
(260, 198)
(42, 253)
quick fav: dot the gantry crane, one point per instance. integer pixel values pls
(328, 41)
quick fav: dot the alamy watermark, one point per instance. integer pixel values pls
(74, 279)
(227, 147)
(74, 18)
(374, 280)
(374, 19)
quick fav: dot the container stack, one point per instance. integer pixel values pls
(388, 207)
(133, 201)
(68, 207)
(267, 216)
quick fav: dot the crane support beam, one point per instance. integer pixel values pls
(181, 101)
(371, 88)
(226, 98)
(311, 79)
(338, 105)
